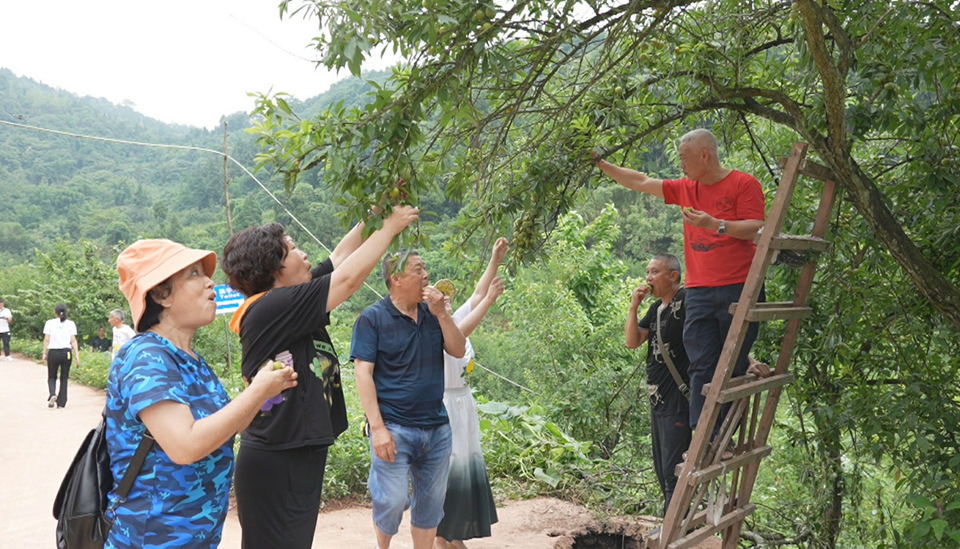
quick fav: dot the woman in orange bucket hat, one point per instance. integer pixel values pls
(159, 386)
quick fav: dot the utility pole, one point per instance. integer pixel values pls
(226, 183)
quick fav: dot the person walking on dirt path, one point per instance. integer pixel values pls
(59, 351)
(6, 317)
(722, 211)
(397, 351)
(468, 508)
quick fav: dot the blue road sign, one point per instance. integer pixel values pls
(228, 299)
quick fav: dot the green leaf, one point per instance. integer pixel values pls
(495, 408)
(542, 476)
(919, 502)
(938, 526)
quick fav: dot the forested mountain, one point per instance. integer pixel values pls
(866, 440)
(56, 187)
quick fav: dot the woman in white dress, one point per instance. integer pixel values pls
(468, 510)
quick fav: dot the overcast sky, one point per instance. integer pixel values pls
(182, 61)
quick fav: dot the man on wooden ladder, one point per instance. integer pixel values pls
(722, 211)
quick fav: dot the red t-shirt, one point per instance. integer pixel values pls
(712, 259)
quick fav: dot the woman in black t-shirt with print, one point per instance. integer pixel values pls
(280, 466)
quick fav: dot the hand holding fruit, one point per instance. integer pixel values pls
(273, 380)
(400, 217)
(697, 218)
(434, 299)
(638, 294)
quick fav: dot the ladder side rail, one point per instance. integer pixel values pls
(705, 532)
(801, 297)
(749, 446)
(680, 506)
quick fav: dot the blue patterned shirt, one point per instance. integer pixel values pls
(170, 505)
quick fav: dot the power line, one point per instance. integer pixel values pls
(184, 148)
(242, 167)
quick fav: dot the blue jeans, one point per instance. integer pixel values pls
(704, 332)
(423, 461)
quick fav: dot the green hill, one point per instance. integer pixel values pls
(57, 187)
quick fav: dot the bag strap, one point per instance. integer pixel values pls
(146, 443)
(664, 349)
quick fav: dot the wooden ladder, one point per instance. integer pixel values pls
(704, 502)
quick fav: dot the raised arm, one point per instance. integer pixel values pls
(352, 241)
(350, 275)
(348, 244)
(477, 312)
(632, 179)
(187, 440)
(483, 285)
(635, 336)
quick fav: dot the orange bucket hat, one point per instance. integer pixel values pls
(147, 263)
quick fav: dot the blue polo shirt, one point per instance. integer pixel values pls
(407, 359)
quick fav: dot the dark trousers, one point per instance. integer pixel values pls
(59, 360)
(704, 332)
(671, 436)
(278, 496)
(5, 339)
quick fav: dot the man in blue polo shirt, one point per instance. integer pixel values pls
(397, 352)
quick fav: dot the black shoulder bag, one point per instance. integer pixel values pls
(81, 504)
(664, 349)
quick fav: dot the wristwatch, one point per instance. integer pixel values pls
(722, 229)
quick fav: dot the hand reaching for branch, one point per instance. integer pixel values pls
(499, 250)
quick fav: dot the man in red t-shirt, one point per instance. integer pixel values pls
(722, 211)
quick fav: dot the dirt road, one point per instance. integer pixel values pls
(37, 444)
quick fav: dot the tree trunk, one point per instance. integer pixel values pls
(940, 292)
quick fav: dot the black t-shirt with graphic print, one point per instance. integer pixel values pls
(666, 398)
(289, 325)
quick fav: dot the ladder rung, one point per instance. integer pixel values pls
(714, 471)
(731, 383)
(708, 530)
(777, 310)
(731, 394)
(811, 169)
(795, 242)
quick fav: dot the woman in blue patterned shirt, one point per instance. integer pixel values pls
(159, 383)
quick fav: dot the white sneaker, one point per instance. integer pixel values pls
(52, 401)
(9, 358)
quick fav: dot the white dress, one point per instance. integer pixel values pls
(469, 509)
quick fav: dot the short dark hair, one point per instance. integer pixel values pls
(252, 256)
(671, 262)
(151, 314)
(393, 262)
